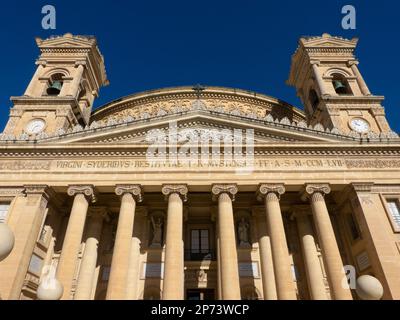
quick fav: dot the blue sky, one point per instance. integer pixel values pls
(242, 44)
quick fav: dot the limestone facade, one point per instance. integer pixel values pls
(81, 195)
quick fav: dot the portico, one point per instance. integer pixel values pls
(183, 193)
(188, 258)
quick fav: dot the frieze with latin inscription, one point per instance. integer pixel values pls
(258, 164)
(373, 163)
(25, 165)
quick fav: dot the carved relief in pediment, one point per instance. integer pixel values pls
(173, 106)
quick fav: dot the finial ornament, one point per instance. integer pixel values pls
(198, 88)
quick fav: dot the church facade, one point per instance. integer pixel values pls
(199, 192)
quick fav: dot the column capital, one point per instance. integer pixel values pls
(11, 191)
(98, 212)
(315, 62)
(264, 189)
(49, 195)
(310, 188)
(134, 189)
(180, 189)
(352, 63)
(41, 189)
(80, 63)
(362, 187)
(42, 63)
(87, 190)
(230, 189)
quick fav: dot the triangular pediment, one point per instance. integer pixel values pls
(66, 41)
(329, 41)
(200, 122)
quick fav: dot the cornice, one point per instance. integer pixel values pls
(355, 99)
(139, 150)
(47, 100)
(267, 122)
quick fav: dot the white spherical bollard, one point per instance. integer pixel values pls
(6, 241)
(49, 289)
(369, 288)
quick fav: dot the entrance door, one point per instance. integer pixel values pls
(200, 294)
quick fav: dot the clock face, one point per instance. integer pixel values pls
(359, 125)
(35, 126)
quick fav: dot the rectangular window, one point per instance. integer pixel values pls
(394, 210)
(200, 241)
(4, 211)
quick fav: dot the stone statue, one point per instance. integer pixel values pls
(243, 231)
(201, 276)
(157, 231)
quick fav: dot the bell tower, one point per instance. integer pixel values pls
(326, 76)
(70, 71)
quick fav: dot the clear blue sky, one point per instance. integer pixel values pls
(242, 44)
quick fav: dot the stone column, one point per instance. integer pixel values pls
(214, 214)
(230, 284)
(280, 253)
(318, 77)
(315, 277)
(25, 217)
(133, 275)
(73, 89)
(360, 80)
(31, 90)
(89, 260)
(267, 265)
(117, 283)
(132, 282)
(73, 236)
(219, 269)
(330, 251)
(174, 258)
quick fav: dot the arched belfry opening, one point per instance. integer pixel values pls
(55, 84)
(341, 85)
